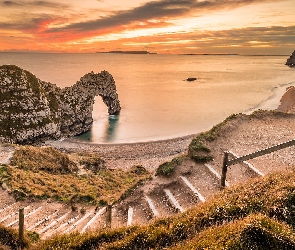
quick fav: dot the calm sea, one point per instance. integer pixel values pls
(157, 101)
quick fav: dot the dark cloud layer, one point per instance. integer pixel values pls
(273, 36)
(27, 23)
(32, 4)
(162, 10)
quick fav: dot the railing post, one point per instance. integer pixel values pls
(108, 216)
(224, 169)
(21, 226)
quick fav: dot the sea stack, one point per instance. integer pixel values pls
(291, 60)
(33, 110)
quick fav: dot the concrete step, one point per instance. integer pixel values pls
(139, 212)
(161, 203)
(12, 215)
(192, 188)
(203, 180)
(173, 201)
(182, 194)
(52, 223)
(152, 207)
(119, 216)
(215, 173)
(96, 221)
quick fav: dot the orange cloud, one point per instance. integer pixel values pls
(46, 25)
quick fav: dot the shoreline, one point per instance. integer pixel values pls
(148, 149)
(274, 100)
(147, 154)
(73, 140)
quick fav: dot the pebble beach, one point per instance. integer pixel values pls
(148, 154)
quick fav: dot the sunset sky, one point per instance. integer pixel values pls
(162, 26)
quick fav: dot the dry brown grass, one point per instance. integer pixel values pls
(256, 231)
(9, 239)
(45, 159)
(47, 173)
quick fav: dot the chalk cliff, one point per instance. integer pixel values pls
(33, 110)
(287, 102)
(291, 60)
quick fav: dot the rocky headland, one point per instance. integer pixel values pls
(33, 110)
(291, 60)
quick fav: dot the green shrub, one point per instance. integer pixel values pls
(178, 160)
(202, 158)
(166, 169)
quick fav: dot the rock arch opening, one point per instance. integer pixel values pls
(38, 110)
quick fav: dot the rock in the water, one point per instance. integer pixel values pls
(291, 60)
(34, 110)
(191, 79)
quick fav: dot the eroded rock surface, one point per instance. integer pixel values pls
(287, 104)
(34, 110)
(291, 60)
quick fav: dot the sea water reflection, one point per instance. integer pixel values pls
(110, 131)
(108, 128)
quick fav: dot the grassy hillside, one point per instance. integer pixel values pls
(257, 215)
(44, 172)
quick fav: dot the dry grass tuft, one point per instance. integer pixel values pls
(90, 161)
(45, 159)
(256, 231)
(9, 239)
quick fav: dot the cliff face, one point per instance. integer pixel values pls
(287, 104)
(34, 110)
(291, 60)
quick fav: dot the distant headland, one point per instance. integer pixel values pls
(128, 52)
(209, 54)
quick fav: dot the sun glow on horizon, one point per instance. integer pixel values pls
(76, 27)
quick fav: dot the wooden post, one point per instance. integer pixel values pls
(21, 226)
(108, 216)
(224, 169)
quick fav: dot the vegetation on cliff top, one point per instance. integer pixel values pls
(23, 94)
(44, 172)
(198, 149)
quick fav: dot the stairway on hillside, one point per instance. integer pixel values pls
(190, 186)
